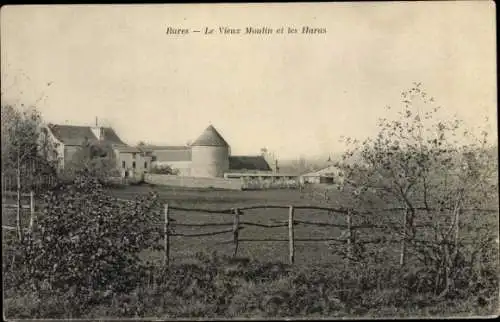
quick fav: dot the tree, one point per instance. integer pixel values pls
(431, 169)
(23, 141)
(87, 243)
(25, 150)
(96, 158)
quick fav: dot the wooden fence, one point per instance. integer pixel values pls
(236, 225)
(347, 237)
(19, 206)
(37, 183)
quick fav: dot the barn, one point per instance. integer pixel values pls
(69, 139)
(328, 175)
(208, 156)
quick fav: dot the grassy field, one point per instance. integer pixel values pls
(318, 285)
(183, 248)
(307, 253)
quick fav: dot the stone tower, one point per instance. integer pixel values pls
(209, 154)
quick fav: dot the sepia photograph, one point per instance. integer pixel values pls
(249, 161)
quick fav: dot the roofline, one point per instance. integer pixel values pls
(50, 125)
(248, 156)
(165, 147)
(77, 125)
(263, 174)
(224, 144)
(53, 135)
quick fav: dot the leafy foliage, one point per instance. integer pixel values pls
(164, 169)
(221, 287)
(96, 158)
(86, 243)
(26, 151)
(434, 171)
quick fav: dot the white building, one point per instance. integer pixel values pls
(208, 156)
(328, 175)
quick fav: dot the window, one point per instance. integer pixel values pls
(145, 164)
(133, 155)
(133, 164)
(123, 164)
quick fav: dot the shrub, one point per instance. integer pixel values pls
(86, 244)
(164, 169)
(218, 287)
(416, 163)
(96, 158)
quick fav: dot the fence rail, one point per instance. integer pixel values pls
(348, 237)
(18, 205)
(234, 227)
(313, 207)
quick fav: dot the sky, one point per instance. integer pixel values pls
(295, 94)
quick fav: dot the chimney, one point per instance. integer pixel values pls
(97, 130)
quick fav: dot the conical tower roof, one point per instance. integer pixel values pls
(210, 137)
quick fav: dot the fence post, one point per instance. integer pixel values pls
(457, 228)
(3, 188)
(19, 204)
(290, 235)
(350, 235)
(166, 237)
(236, 224)
(403, 240)
(32, 210)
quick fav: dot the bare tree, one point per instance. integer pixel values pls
(24, 149)
(418, 163)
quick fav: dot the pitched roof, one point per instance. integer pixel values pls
(330, 170)
(127, 149)
(248, 163)
(173, 153)
(111, 136)
(149, 147)
(76, 135)
(210, 137)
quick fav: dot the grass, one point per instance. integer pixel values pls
(219, 287)
(182, 249)
(319, 284)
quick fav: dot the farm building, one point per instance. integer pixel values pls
(328, 175)
(209, 156)
(68, 139)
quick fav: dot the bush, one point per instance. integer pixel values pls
(95, 158)
(86, 244)
(222, 287)
(164, 169)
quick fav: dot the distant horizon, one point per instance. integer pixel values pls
(295, 95)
